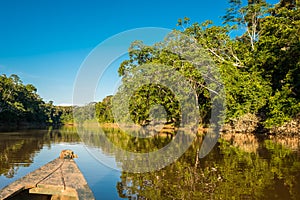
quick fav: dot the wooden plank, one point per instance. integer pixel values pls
(30, 180)
(52, 190)
(54, 179)
(73, 178)
(60, 178)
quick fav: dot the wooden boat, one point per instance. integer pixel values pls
(59, 179)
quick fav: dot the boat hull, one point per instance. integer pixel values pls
(59, 179)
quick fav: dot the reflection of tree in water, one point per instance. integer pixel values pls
(19, 148)
(246, 142)
(109, 139)
(64, 134)
(124, 146)
(226, 173)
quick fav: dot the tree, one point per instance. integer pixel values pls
(278, 58)
(19, 102)
(247, 17)
(103, 110)
(259, 67)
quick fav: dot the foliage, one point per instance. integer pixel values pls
(66, 114)
(19, 102)
(84, 113)
(103, 110)
(153, 95)
(165, 73)
(260, 67)
(277, 57)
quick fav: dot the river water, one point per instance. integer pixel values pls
(239, 167)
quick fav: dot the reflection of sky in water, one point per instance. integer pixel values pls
(102, 158)
(101, 179)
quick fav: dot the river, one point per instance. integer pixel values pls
(239, 167)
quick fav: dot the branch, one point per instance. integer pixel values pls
(249, 34)
(203, 86)
(218, 56)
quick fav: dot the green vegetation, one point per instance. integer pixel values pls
(103, 110)
(21, 105)
(256, 51)
(260, 68)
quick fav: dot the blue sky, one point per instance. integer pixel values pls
(45, 42)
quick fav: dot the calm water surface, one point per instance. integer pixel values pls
(239, 167)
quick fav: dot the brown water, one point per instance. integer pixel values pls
(239, 167)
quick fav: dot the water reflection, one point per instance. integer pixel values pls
(242, 167)
(134, 154)
(239, 167)
(18, 149)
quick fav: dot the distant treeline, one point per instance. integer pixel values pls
(21, 105)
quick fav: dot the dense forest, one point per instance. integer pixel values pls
(257, 52)
(260, 67)
(20, 105)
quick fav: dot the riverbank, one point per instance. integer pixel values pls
(250, 123)
(247, 124)
(244, 125)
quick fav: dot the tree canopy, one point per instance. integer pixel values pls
(20, 104)
(259, 65)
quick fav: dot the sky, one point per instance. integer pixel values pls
(46, 42)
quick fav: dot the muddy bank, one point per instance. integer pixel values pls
(291, 128)
(250, 123)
